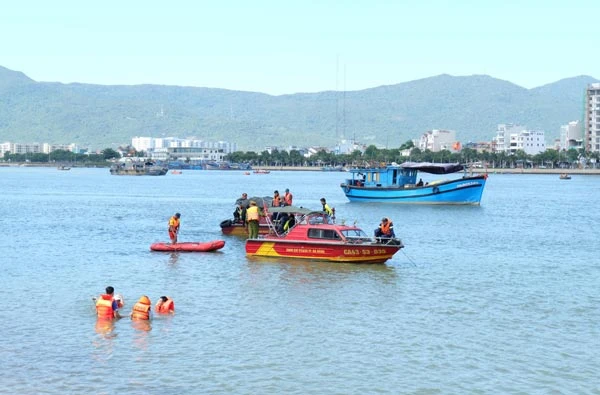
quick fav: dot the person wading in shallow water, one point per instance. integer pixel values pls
(174, 227)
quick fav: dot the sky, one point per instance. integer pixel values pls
(284, 47)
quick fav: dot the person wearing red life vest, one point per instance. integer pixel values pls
(288, 197)
(106, 306)
(165, 305)
(141, 310)
(385, 230)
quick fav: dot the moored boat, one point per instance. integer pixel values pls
(316, 237)
(398, 184)
(189, 246)
(237, 227)
(138, 168)
(261, 171)
(63, 168)
(565, 176)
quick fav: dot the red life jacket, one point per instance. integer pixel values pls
(287, 198)
(166, 307)
(104, 307)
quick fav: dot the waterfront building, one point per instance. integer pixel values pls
(160, 144)
(511, 138)
(35, 148)
(592, 118)
(438, 140)
(571, 136)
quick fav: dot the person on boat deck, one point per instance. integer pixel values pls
(142, 309)
(174, 227)
(288, 197)
(239, 215)
(326, 207)
(329, 211)
(283, 217)
(289, 223)
(165, 305)
(385, 230)
(277, 201)
(420, 183)
(106, 305)
(252, 217)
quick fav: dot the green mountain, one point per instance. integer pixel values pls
(100, 116)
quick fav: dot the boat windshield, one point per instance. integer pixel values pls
(355, 235)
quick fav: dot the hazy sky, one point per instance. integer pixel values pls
(281, 47)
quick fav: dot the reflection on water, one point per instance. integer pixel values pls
(173, 258)
(105, 328)
(307, 270)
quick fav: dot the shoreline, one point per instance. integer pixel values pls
(319, 169)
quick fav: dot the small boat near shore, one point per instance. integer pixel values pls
(189, 246)
(564, 176)
(261, 171)
(316, 237)
(398, 184)
(63, 168)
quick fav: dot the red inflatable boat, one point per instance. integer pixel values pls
(189, 246)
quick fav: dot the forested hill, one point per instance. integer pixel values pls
(99, 116)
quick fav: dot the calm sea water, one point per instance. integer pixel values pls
(501, 298)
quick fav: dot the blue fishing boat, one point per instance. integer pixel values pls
(398, 184)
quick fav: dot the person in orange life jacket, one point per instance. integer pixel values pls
(106, 305)
(142, 309)
(288, 197)
(276, 202)
(165, 305)
(174, 227)
(385, 230)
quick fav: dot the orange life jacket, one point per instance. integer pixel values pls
(252, 213)
(104, 307)
(166, 307)
(141, 311)
(174, 222)
(287, 198)
(385, 228)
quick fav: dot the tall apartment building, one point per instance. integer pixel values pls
(571, 136)
(592, 118)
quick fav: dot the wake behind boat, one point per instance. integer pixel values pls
(189, 246)
(398, 184)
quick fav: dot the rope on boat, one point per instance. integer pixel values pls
(409, 259)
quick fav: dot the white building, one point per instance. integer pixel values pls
(571, 136)
(592, 118)
(501, 143)
(531, 141)
(150, 144)
(438, 140)
(511, 138)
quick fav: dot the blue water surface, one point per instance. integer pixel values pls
(500, 298)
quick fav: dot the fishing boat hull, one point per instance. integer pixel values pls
(231, 228)
(461, 191)
(189, 246)
(330, 252)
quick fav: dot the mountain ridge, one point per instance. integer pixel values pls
(101, 116)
